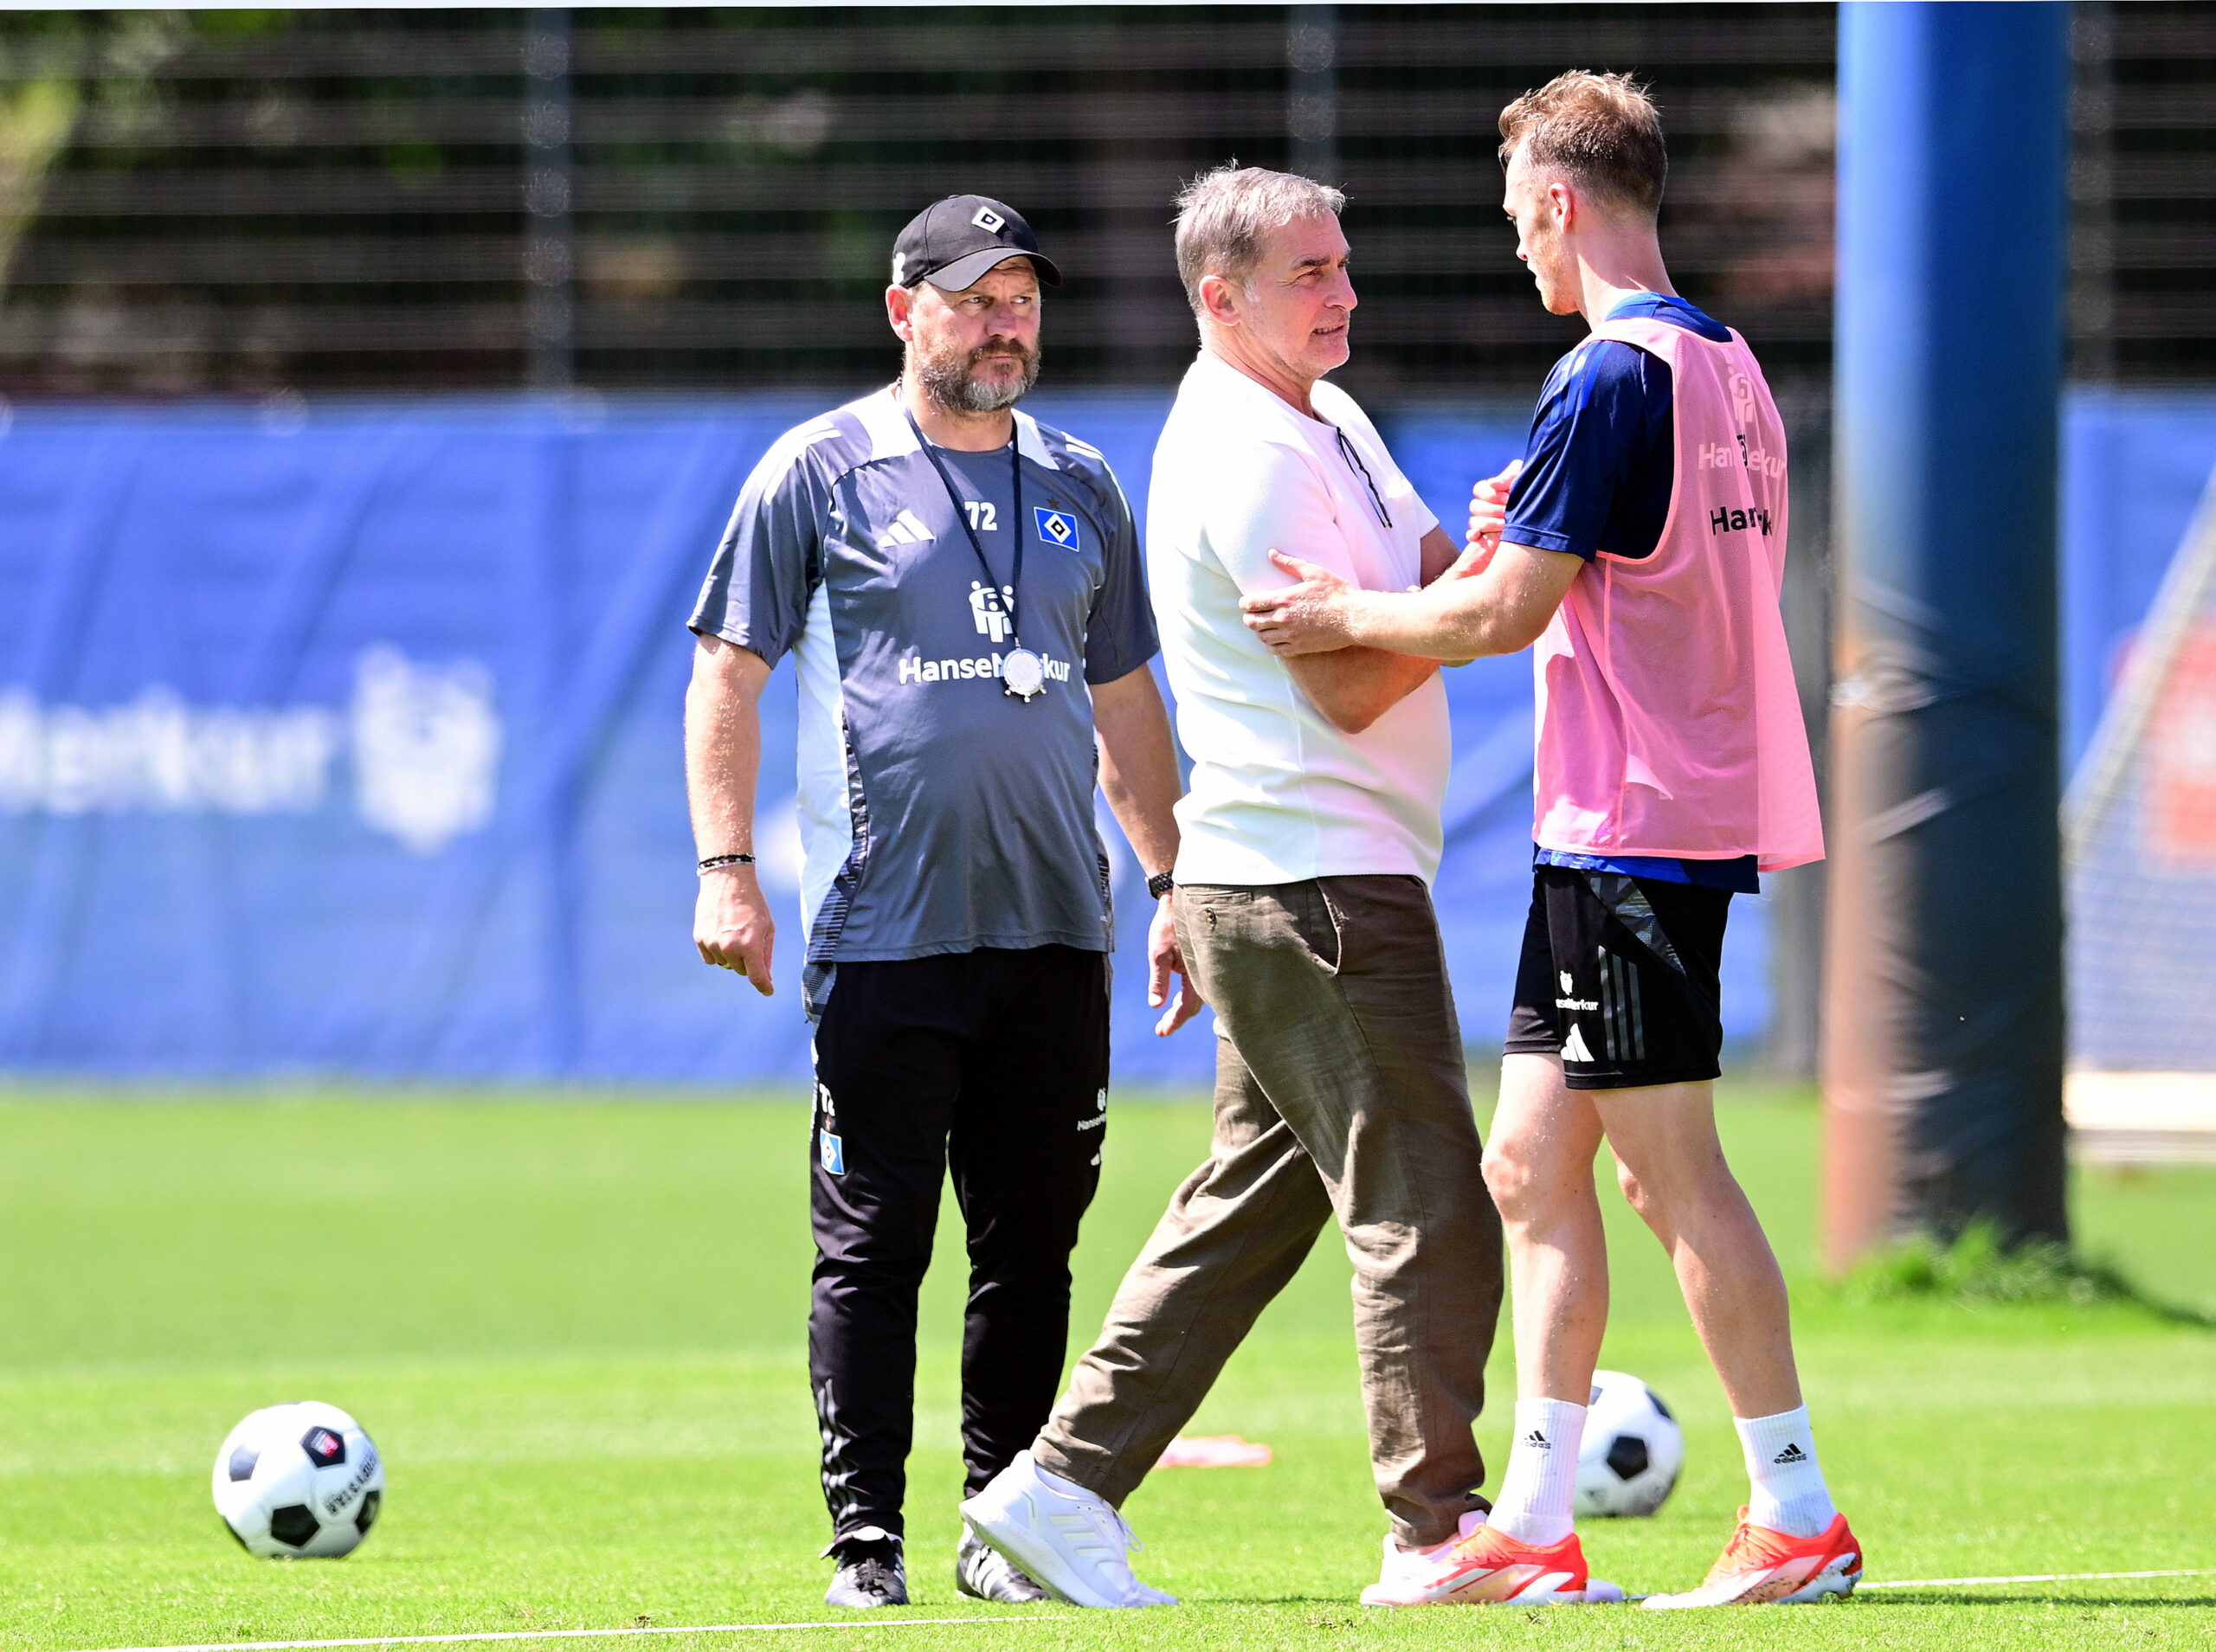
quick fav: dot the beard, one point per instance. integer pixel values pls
(949, 378)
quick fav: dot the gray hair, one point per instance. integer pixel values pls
(1225, 217)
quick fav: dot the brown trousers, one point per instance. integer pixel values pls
(1339, 1092)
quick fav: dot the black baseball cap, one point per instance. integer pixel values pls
(951, 242)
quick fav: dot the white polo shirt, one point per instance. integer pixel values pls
(1278, 794)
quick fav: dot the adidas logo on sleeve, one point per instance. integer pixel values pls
(906, 529)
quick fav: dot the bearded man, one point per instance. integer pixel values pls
(962, 591)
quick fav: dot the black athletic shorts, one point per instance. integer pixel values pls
(1619, 978)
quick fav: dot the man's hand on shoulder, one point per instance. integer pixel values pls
(1309, 626)
(732, 928)
(1308, 617)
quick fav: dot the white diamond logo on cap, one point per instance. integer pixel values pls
(952, 242)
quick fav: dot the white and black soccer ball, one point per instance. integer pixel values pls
(298, 1482)
(1628, 1461)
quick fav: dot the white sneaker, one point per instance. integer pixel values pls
(1069, 1541)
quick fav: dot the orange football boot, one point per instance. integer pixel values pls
(1484, 1567)
(1760, 1567)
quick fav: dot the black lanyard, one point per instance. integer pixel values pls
(1354, 457)
(1016, 468)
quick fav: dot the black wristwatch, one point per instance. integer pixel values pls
(1160, 884)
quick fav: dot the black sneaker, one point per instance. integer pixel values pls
(984, 1575)
(870, 1573)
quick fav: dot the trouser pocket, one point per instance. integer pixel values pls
(1310, 917)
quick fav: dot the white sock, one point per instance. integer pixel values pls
(1536, 1493)
(1790, 1494)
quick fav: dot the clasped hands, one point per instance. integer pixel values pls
(1312, 615)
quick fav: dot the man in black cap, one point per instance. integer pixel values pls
(961, 588)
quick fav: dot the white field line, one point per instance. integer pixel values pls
(578, 1634)
(943, 1622)
(1959, 1583)
(2038, 1576)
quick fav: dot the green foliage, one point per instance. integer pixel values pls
(1981, 1267)
(55, 68)
(244, 23)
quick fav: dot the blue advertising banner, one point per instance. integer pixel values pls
(346, 743)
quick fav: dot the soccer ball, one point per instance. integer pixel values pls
(298, 1482)
(1632, 1448)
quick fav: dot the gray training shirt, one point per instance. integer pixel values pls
(938, 813)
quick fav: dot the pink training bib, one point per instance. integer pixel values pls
(1669, 724)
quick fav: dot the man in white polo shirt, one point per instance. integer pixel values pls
(1310, 837)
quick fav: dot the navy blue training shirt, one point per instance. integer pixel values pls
(937, 814)
(1598, 473)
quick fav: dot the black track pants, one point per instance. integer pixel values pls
(993, 1064)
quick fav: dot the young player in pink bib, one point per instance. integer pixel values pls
(1640, 546)
(1669, 724)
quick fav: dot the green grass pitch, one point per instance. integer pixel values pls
(575, 1327)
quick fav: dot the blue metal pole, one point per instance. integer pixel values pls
(1943, 993)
